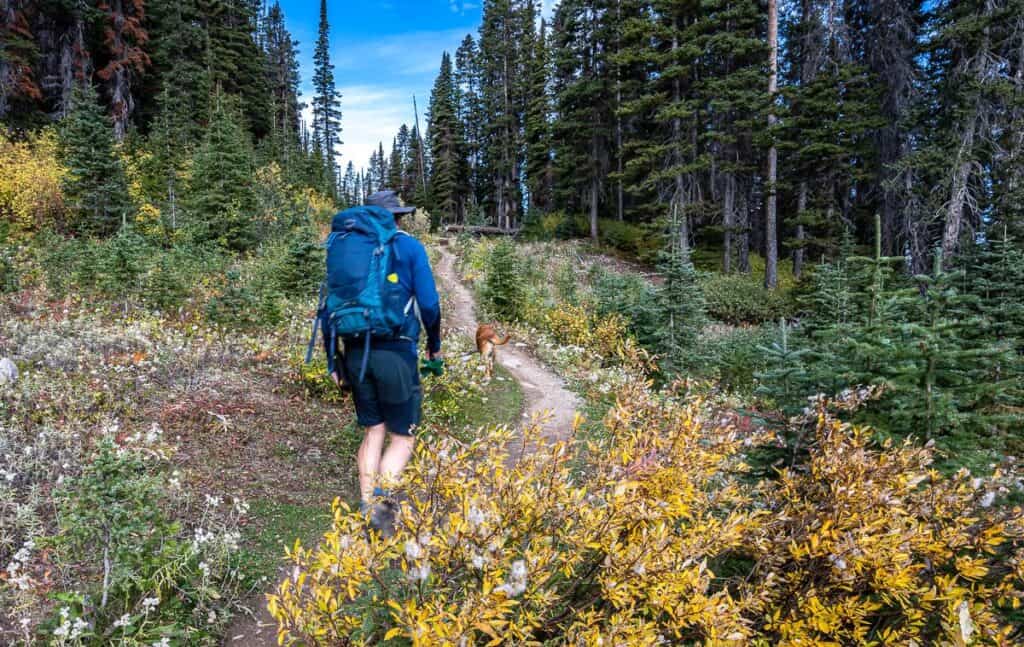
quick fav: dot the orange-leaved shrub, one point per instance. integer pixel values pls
(661, 537)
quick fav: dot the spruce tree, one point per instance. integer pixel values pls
(680, 303)
(537, 126)
(449, 172)
(584, 101)
(413, 187)
(349, 186)
(326, 98)
(468, 80)
(177, 83)
(283, 80)
(235, 61)
(221, 201)
(506, 24)
(395, 164)
(95, 187)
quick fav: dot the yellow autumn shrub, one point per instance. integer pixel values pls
(30, 178)
(869, 546)
(527, 548)
(661, 539)
(578, 326)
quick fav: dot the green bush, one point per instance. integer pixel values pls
(152, 581)
(741, 299)
(8, 272)
(632, 298)
(733, 356)
(301, 267)
(631, 239)
(168, 282)
(503, 282)
(245, 304)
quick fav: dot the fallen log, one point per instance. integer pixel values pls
(480, 230)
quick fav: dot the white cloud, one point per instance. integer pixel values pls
(371, 115)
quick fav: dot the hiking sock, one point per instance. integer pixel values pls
(381, 493)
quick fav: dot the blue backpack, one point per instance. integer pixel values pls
(361, 297)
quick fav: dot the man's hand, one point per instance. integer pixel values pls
(437, 355)
(336, 379)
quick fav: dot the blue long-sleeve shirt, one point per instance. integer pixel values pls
(412, 265)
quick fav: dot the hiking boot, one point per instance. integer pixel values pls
(382, 519)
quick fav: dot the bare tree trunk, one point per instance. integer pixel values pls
(958, 196)
(798, 253)
(728, 220)
(618, 117)
(679, 189)
(744, 226)
(594, 192)
(771, 255)
(121, 103)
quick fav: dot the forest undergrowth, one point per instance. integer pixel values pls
(669, 517)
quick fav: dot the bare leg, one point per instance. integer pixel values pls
(396, 457)
(369, 460)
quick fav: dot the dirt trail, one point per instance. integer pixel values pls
(545, 393)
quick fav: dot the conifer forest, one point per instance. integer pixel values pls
(758, 266)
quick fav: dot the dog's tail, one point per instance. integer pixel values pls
(507, 339)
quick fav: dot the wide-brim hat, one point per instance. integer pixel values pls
(389, 200)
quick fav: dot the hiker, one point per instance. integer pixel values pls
(375, 310)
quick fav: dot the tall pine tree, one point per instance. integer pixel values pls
(95, 187)
(449, 172)
(326, 99)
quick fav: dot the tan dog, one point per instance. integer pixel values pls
(487, 341)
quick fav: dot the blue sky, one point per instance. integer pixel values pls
(383, 51)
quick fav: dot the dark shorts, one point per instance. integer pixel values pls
(390, 392)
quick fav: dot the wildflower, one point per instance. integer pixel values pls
(205, 568)
(413, 550)
(988, 499)
(150, 603)
(77, 627)
(123, 621)
(163, 642)
(211, 617)
(966, 624)
(420, 573)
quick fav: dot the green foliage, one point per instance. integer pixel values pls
(681, 308)
(449, 170)
(9, 280)
(119, 264)
(742, 299)
(245, 304)
(95, 188)
(221, 197)
(633, 299)
(567, 282)
(786, 379)
(301, 267)
(733, 356)
(503, 287)
(152, 584)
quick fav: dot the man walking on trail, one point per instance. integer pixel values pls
(381, 369)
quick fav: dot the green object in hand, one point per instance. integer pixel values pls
(433, 367)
